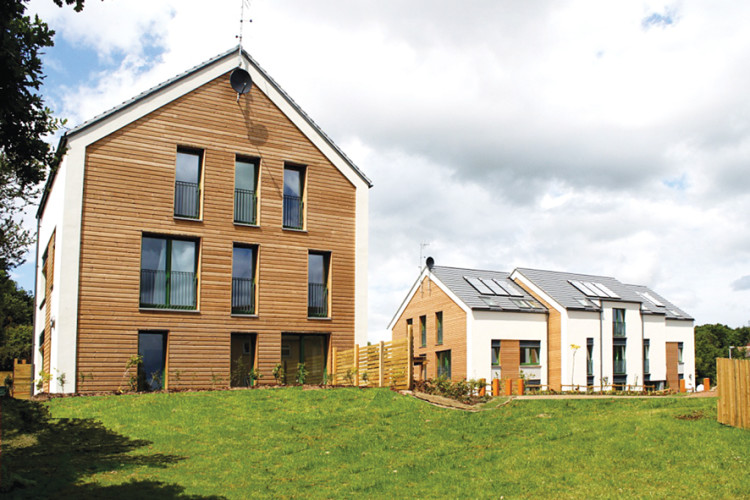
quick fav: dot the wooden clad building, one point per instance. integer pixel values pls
(208, 233)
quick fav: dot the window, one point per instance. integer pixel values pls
(618, 357)
(43, 280)
(529, 352)
(317, 284)
(590, 357)
(152, 347)
(439, 324)
(409, 326)
(646, 356)
(423, 329)
(243, 279)
(294, 190)
(495, 353)
(242, 359)
(168, 273)
(187, 192)
(444, 364)
(245, 190)
(679, 352)
(618, 322)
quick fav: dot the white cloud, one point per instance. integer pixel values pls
(564, 136)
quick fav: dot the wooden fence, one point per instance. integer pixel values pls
(387, 364)
(733, 381)
(21, 379)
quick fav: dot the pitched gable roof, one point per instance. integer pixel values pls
(261, 80)
(658, 306)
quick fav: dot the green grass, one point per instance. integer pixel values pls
(348, 443)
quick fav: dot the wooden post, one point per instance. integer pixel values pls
(381, 350)
(682, 385)
(482, 387)
(520, 387)
(508, 386)
(496, 387)
(706, 384)
(409, 357)
(356, 365)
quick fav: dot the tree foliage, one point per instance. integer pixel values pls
(16, 317)
(714, 341)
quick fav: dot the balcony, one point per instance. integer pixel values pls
(619, 329)
(317, 300)
(619, 367)
(245, 204)
(646, 366)
(293, 212)
(168, 289)
(186, 199)
(243, 296)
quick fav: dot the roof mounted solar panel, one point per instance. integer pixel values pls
(512, 290)
(583, 288)
(492, 285)
(608, 291)
(595, 287)
(479, 286)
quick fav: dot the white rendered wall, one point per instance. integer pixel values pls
(683, 331)
(634, 343)
(582, 325)
(494, 325)
(655, 329)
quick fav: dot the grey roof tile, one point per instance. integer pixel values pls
(668, 309)
(453, 278)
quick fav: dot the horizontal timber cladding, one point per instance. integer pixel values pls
(554, 341)
(428, 300)
(673, 355)
(510, 358)
(129, 191)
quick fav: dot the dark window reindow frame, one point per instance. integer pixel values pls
(590, 361)
(187, 184)
(152, 348)
(439, 326)
(169, 280)
(530, 353)
(246, 190)
(495, 352)
(423, 330)
(618, 322)
(444, 363)
(318, 284)
(244, 265)
(294, 195)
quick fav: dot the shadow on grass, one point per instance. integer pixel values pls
(42, 457)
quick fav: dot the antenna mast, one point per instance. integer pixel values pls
(242, 21)
(422, 246)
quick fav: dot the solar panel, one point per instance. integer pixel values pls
(595, 287)
(608, 291)
(492, 285)
(583, 288)
(478, 285)
(512, 290)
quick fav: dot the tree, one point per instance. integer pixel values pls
(16, 317)
(25, 158)
(714, 341)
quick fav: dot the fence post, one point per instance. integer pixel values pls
(520, 387)
(356, 365)
(409, 357)
(482, 387)
(381, 351)
(706, 384)
(508, 386)
(682, 385)
(495, 387)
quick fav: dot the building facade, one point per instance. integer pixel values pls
(210, 233)
(558, 330)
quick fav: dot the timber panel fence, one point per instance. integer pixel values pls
(733, 381)
(386, 364)
(21, 379)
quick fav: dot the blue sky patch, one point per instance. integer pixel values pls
(659, 20)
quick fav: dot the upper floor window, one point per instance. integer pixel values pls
(294, 192)
(246, 190)
(423, 329)
(618, 322)
(169, 272)
(590, 357)
(618, 357)
(680, 347)
(318, 280)
(243, 279)
(646, 356)
(529, 352)
(439, 325)
(187, 185)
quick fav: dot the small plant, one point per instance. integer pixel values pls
(279, 374)
(61, 381)
(44, 378)
(133, 362)
(349, 375)
(365, 377)
(157, 379)
(325, 377)
(8, 382)
(177, 377)
(215, 380)
(241, 373)
(255, 375)
(301, 374)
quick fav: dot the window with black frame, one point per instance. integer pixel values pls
(168, 273)
(318, 280)
(187, 186)
(294, 190)
(245, 191)
(243, 279)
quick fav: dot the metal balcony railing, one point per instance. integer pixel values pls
(317, 300)
(293, 212)
(186, 199)
(243, 296)
(619, 367)
(168, 289)
(245, 204)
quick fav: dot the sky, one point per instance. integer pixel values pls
(605, 138)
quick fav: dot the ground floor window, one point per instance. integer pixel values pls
(495, 349)
(242, 359)
(589, 361)
(530, 352)
(444, 364)
(152, 348)
(310, 350)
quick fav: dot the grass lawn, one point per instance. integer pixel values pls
(372, 443)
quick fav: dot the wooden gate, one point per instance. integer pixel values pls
(733, 381)
(386, 364)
